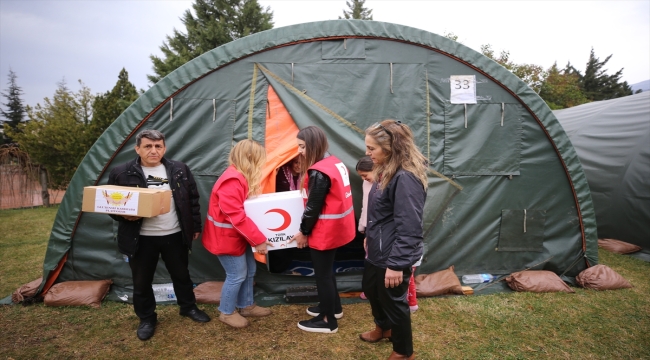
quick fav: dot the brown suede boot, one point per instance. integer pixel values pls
(398, 356)
(375, 335)
(235, 320)
(255, 311)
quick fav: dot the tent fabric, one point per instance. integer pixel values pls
(612, 140)
(478, 170)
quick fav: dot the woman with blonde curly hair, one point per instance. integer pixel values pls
(393, 231)
(230, 234)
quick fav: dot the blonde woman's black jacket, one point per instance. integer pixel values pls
(394, 228)
(185, 195)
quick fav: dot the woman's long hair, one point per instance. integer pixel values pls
(316, 146)
(396, 141)
(248, 157)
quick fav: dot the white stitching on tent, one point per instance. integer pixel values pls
(465, 116)
(171, 109)
(391, 78)
(524, 221)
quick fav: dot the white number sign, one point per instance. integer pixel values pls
(463, 89)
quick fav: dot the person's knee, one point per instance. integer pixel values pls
(237, 277)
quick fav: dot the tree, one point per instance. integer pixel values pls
(217, 22)
(15, 113)
(596, 84)
(453, 37)
(357, 11)
(54, 135)
(533, 75)
(108, 106)
(561, 89)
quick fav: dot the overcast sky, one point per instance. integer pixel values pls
(44, 42)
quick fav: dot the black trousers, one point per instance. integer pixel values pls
(390, 307)
(328, 294)
(174, 253)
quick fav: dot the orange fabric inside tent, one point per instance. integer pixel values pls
(280, 140)
(280, 144)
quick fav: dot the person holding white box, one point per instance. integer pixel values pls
(327, 223)
(229, 233)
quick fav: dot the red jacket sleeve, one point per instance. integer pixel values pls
(232, 194)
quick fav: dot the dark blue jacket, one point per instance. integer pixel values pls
(185, 195)
(394, 229)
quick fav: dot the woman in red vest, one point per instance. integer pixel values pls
(327, 223)
(230, 234)
(393, 231)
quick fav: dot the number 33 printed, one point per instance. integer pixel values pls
(462, 84)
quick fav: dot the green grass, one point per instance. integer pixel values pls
(584, 325)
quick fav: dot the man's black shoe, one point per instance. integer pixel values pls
(146, 330)
(196, 315)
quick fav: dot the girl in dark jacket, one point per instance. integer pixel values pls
(393, 231)
(327, 223)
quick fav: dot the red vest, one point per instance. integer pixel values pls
(335, 225)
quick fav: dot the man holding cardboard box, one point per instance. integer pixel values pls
(168, 235)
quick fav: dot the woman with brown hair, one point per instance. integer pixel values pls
(393, 231)
(230, 234)
(327, 223)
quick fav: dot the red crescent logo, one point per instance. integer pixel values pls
(285, 216)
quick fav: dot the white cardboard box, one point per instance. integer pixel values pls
(277, 215)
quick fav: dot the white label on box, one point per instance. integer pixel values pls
(277, 216)
(116, 201)
(344, 173)
(463, 89)
(164, 292)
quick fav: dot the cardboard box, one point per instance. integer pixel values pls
(123, 200)
(277, 215)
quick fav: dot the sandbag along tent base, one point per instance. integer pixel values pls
(506, 189)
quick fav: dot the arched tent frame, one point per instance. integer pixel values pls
(112, 145)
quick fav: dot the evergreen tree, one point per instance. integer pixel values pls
(216, 22)
(357, 11)
(561, 89)
(108, 106)
(596, 84)
(15, 113)
(55, 133)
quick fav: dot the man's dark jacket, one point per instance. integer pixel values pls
(394, 228)
(185, 195)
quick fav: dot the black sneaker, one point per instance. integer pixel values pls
(315, 311)
(146, 329)
(316, 325)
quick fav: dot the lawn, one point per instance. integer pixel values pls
(584, 325)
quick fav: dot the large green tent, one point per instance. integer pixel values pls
(612, 140)
(507, 190)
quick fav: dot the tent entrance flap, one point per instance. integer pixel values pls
(280, 139)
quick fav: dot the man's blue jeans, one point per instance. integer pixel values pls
(237, 290)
